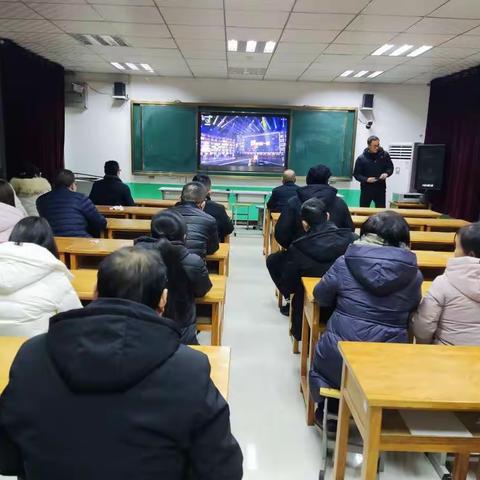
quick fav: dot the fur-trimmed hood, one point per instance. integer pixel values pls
(25, 187)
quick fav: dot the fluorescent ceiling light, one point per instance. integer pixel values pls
(232, 45)
(131, 66)
(346, 73)
(361, 73)
(383, 49)
(269, 47)
(375, 74)
(118, 65)
(146, 67)
(110, 40)
(418, 51)
(251, 46)
(92, 40)
(400, 50)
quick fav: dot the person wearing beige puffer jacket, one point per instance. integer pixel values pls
(450, 312)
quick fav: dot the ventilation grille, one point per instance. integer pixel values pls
(401, 151)
(102, 40)
(246, 71)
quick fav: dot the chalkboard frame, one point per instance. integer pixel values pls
(225, 106)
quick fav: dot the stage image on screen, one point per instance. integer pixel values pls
(242, 142)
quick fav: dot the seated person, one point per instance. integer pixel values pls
(289, 225)
(374, 289)
(34, 284)
(202, 233)
(282, 194)
(111, 190)
(70, 213)
(9, 214)
(216, 210)
(450, 312)
(110, 393)
(186, 272)
(309, 256)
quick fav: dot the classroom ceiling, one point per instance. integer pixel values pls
(316, 40)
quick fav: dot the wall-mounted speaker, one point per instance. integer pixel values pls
(367, 101)
(120, 91)
(428, 166)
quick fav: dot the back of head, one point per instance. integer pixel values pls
(170, 225)
(314, 212)
(134, 274)
(469, 238)
(34, 230)
(289, 176)
(111, 167)
(391, 227)
(29, 170)
(6, 193)
(194, 192)
(319, 174)
(203, 179)
(65, 178)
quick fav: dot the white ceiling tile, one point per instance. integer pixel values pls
(431, 62)
(259, 34)
(405, 7)
(266, 5)
(345, 49)
(236, 59)
(294, 57)
(293, 68)
(289, 47)
(443, 25)
(335, 60)
(459, 9)
(274, 75)
(420, 80)
(188, 31)
(464, 41)
(242, 18)
(311, 76)
(330, 6)
(190, 3)
(193, 16)
(190, 53)
(204, 64)
(201, 44)
(408, 69)
(364, 38)
(319, 21)
(210, 72)
(142, 30)
(124, 2)
(475, 31)
(55, 1)
(167, 71)
(132, 14)
(149, 42)
(450, 52)
(308, 36)
(421, 38)
(381, 23)
(17, 10)
(71, 26)
(58, 11)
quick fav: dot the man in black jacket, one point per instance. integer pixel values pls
(109, 392)
(311, 255)
(372, 168)
(216, 210)
(282, 194)
(202, 233)
(111, 190)
(289, 225)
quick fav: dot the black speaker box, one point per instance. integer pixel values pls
(367, 101)
(429, 164)
(119, 90)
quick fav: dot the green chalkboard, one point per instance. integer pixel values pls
(164, 138)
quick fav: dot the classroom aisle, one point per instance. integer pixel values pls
(266, 405)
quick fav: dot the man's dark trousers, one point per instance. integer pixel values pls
(373, 193)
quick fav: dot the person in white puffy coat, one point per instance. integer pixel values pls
(34, 284)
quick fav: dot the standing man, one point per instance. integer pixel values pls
(282, 194)
(372, 168)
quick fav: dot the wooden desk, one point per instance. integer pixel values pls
(431, 259)
(267, 226)
(429, 240)
(404, 212)
(409, 205)
(379, 379)
(221, 256)
(85, 280)
(427, 224)
(274, 246)
(127, 225)
(155, 202)
(219, 358)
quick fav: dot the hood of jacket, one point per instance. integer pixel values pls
(322, 191)
(9, 216)
(25, 264)
(381, 270)
(464, 274)
(30, 186)
(110, 345)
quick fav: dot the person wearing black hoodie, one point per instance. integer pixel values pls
(311, 255)
(289, 225)
(372, 168)
(110, 393)
(186, 272)
(111, 190)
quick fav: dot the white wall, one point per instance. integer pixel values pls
(102, 132)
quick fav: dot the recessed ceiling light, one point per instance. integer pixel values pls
(251, 46)
(118, 65)
(418, 51)
(400, 50)
(146, 67)
(361, 73)
(375, 74)
(232, 45)
(269, 47)
(383, 49)
(346, 73)
(131, 66)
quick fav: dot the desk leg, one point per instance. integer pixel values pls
(222, 267)
(73, 261)
(215, 324)
(102, 234)
(371, 444)
(341, 447)
(304, 354)
(62, 258)
(109, 233)
(314, 329)
(460, 466)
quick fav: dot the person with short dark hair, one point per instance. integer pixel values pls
(187, 273)
(372, 168)
(282, 194)
(310, 255)
(34, 284)
(216, 210)
(289, 226)
(374, 288)
(202, 233)
(70, 213)
(9, 214)
(110, 393)
(450, 311)
(111, 190)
